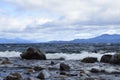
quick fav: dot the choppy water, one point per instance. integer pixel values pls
(67, 51)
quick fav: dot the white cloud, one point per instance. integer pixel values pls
(61, 19)
(17, 24)
(73, 10)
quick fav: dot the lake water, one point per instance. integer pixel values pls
(68, 51)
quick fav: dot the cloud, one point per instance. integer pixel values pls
(106, 11)
(59, 19)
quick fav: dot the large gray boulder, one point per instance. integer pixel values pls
(32, 53)
(112, 59)
(106, 58)
(115, 59)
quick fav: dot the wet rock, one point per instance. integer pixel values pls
(64, 67)
(94, 70)
(61, 58)
(106, 58)
(29, 71)
(103, 71)
(14, 76)
(84, 73)
(52, 63)
(6, 62)
(115, 59)
(115, 72)
(38, 68)
(89, 60)
(71, 74)
(63, 73)
(32, 53)
(67, 74)
(43, 75)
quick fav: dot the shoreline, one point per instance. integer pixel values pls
(78, 70)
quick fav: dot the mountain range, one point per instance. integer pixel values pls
(105, 38)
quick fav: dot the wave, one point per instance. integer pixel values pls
(66, 56)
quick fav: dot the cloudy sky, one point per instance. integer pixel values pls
(45, 20)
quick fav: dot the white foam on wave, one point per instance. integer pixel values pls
(75, 56)
(66, 56)
(10, 54)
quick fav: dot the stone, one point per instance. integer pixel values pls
(115, 59)
(52, 63)
(43, 75)
(64, 67)
(106, 58)
(29, 71)
(38, 68)
(63, 73)
(94, 70)
(89, 60)
(14, 76)
(32, 53)
(6, 62)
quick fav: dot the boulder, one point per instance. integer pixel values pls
(64, 67)
(106, 58)
(43, 75)
(29, 71)
(14, 76)
(32, 53)
(115, 59)
(89, 60)
(38, 68)
(94, 70)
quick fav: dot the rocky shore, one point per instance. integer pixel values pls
(33, 65)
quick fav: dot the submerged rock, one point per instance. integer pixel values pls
(64, 67)
(89, 60)
(43, 75)
(32, 53)
(106, 58)
(14, 76)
